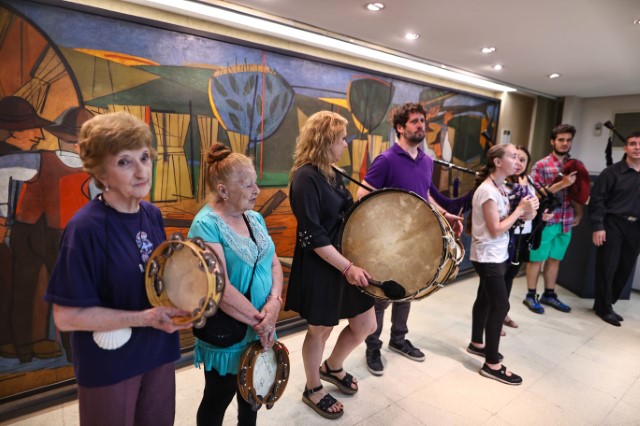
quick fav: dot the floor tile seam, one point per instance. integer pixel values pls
(443, 409)
(633, 378)
(577, 412)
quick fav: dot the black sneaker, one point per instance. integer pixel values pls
(408, 350)
(501, 375)
(374, 362)
(481, 352)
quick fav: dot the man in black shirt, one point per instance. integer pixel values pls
(615, 216)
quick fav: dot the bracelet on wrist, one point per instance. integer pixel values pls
(344, 271)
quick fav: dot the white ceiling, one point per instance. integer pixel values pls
(593, 44)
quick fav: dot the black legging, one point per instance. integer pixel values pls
(218, 393)
(490, 308)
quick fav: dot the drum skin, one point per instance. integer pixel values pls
(186, 275)
(396, 235)
(263, 376)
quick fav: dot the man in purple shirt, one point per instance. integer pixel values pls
(407, 167)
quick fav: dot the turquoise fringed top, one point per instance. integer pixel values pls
(240, 255)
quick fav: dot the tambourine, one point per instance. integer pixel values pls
(262, 376)
(187, 275)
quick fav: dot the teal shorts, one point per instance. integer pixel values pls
(553, 244)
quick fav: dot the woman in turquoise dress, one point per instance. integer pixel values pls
(238, 235)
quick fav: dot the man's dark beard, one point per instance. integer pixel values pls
(555, 151)
(415, 139)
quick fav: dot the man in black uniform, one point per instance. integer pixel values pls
(615, 216)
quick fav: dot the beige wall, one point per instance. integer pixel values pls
(516, 114)
(584, 113)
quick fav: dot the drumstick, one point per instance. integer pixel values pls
(390, 288)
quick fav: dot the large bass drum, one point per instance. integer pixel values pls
(396, 235)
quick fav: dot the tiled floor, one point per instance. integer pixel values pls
(577, 370)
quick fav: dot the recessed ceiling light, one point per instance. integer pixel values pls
(488, 49)
(411, 36)
(554, 75)
(636, 21)
(374, 7)
(498, 67)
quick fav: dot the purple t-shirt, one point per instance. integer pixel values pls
(101, 263)
(395, 168)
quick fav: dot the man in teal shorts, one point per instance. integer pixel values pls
(556, 235)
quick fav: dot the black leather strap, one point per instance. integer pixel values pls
(253, 238)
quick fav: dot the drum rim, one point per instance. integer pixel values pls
(163, 299)
(247, 365)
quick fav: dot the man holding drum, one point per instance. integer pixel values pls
(404, 166)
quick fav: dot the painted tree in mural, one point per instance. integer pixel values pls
(369, 100)
(455, 121)
(250, 101)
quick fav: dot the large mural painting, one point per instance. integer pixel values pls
(59, 67)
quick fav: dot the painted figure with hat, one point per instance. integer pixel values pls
(39, 192)
(21, 125)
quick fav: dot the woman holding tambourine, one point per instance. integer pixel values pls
(251, 301)
(123, 349)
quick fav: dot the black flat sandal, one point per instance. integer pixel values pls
(343, 384)
(500, 375)
(323, 406)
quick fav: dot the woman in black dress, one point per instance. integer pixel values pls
(323, 284)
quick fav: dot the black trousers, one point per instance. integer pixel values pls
(399, 328)
(218, 393)
(614, 261)
(490, 308)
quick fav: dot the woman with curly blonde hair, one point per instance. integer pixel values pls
(323, 285)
